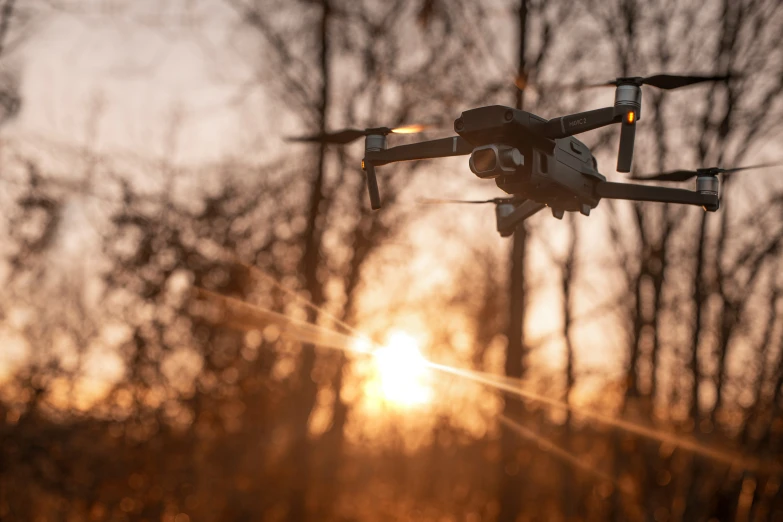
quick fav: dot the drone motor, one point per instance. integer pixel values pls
(707, 184)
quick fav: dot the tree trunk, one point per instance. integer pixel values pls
(511, 478)
(301, 446)
(571, 501)
(510, 473)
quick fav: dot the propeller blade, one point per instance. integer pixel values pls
(585, 86)
(578, 86)
(685, 175)
(523, 82)
(661, 81)
(340, 137)
(675, 81)
(749, 167)
(673, 175)
(429, 201)
(346, 136)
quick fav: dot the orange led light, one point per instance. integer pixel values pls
(362, 164)
(630, 117)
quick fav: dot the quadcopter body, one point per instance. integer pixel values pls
(539, 162)
(508, 147)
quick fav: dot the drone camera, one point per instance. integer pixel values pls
(490, 161)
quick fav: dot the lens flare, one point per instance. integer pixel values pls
(410, 129)
(361, 344)
(402, 371)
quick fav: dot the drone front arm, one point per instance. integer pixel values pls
(609, 190)
(374, 157)
(624, 113)
(442, 148)
(565, 126)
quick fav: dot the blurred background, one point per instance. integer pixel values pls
(627, 366)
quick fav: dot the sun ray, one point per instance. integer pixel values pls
(512, 387)
(232, 312)
(254, 270)
(236, 313)
(554, 449)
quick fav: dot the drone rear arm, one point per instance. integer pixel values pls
(507, 219)
(609, 190)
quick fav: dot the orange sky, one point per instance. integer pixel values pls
(122, 85)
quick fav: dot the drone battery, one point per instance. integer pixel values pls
(500, 124)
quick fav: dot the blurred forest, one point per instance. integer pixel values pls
(636, 360)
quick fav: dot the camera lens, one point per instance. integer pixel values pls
(484, 160)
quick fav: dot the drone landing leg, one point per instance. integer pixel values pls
(508, 219)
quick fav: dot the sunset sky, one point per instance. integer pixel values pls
(149, 88)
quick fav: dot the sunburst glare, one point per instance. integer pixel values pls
(402, 372)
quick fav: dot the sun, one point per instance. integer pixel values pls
(402, 372)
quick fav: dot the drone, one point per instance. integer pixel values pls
(538, 161)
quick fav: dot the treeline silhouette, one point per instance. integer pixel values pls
(120, 400)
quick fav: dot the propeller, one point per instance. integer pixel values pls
(429, 201)
(685, 175)
(345, 136)
(661, 81)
